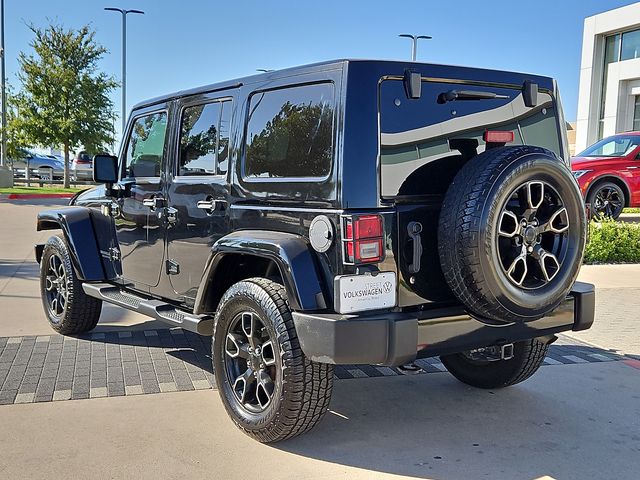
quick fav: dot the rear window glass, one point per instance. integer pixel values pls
(417, 132)
(290, 133)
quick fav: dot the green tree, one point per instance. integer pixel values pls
(17, 141)
(65, 99)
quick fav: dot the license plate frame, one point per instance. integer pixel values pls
(360, 293)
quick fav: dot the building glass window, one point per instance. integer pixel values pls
(611, 49)
(636, 114)
(630, 45)
(611, 55)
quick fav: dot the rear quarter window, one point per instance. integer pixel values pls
(289, 133)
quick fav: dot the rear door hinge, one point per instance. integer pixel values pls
(173, 267)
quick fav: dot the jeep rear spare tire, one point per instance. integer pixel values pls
(511, 234)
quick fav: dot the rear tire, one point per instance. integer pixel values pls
(69, 310)
(269, 388)
(528, 356)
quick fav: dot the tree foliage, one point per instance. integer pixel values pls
(17, 142)
(65, 99)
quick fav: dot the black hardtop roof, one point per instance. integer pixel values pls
(392, 67)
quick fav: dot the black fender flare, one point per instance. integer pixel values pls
(77, 228)
(290, 252)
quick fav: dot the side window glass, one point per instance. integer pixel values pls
(204, 139)
(145, 149)
(290, 133)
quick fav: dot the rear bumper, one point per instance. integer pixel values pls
(398, 338)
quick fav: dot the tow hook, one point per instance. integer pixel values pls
(506, 351)
(493, 353)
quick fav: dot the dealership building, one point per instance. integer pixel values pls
(609, 95)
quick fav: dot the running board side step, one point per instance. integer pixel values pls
(165, 312)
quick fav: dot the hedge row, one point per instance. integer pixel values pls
(613, 242)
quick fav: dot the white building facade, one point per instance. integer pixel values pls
(609, 95)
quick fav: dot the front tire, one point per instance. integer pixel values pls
(69, 310)
(607, 200)
(269, 388)
(528, 356)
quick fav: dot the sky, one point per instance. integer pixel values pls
(183, 44)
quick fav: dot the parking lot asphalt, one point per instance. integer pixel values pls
(579, 417)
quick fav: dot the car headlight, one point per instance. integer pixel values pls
(578, 173)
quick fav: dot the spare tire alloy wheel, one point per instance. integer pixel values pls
(512, 233)
(531, 236)
(250, 361)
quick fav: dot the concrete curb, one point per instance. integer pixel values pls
(33, 196)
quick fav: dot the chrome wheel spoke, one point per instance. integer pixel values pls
(268, 353)
(557, 223)
(50, 283)
(548, 262)
(264, 389)
(518, 269)
(509, 225)
(249, 329)
(242, 385)
(535, 194)
(236, 347)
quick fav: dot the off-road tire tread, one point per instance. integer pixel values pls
(460, 219)
(528, 360)
(311, 382)
(82, 312)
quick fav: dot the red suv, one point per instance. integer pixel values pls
(608, 173)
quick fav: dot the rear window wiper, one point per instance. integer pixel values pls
(453, 95)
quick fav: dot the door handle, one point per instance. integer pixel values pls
(210, 205)
(153, 202)
(414, 229)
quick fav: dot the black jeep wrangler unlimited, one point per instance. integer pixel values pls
(348, 212)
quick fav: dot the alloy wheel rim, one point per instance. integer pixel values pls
(250, 362)
(607, 202)
(532, 235)
(56, 286)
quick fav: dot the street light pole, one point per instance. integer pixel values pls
(3, 94)
(124, 13)
(414, 43)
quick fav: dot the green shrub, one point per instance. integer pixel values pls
(613, 242)
(631, 210)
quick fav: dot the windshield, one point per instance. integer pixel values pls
(618, 146)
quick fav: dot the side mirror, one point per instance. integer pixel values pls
(105, 169)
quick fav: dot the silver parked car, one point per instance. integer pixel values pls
(40, 166)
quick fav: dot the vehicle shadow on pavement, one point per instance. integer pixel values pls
(19, 269)
(431, 426)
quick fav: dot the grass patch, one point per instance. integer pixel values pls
(631, 210)
(613, 242)
(39, 190)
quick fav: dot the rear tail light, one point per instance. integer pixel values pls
(498, 136)
(363, 239)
